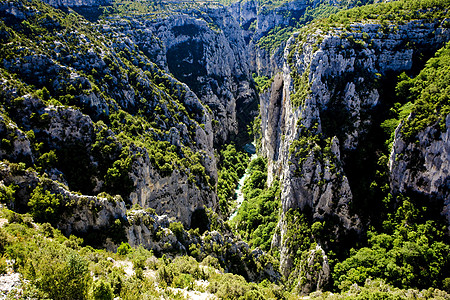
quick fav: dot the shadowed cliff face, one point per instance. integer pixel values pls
(275, 116)
(210, 56)
(319, 115)
(419, 166)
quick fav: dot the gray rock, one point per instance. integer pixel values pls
(333, 62)
(211, 61)
(422, 165)
(75, 3)
(315, 272)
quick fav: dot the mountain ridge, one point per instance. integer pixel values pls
(117, 131)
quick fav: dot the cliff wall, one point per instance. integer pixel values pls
(320, 108)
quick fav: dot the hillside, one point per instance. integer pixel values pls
(125, 128)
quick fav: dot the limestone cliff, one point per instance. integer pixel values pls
(209, 54)
(77, 3)
(66, 127)
(320, 107)
(267, 25)
(422, 167)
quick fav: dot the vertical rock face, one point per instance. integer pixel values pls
(422, 166)
(315, 271)
(256, 21)
(319, 109)
(114, 86)
(210, 56)
(76, 3)
(77, 213)
(262, 19)
(175, 195)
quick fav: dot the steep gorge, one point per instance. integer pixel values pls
(320, 116)
(187, 77)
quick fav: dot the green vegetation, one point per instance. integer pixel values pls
(273, 39)
(231, 167)
(407, 245)
(407, 237)
(400, 113)
(378, 289)
(410, 252)
(58, 267)
(7, 193)
(302, 87)
(426, 97)
(407, 242)
(45, 206)
(141, 115)
(157, 9)
(259, 213)
(124, 130)
(263, 83)
(429, 91)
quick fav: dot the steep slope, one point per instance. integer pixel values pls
(85, 116)
(267, 25)
(319, 117)
(202, 46)
(99, 116)
(112, 131)
(419, 161)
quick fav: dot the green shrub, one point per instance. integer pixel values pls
(412, 255)
(211, 261)
(47, 160)
(228, 286)
(7, 193)
(165, 276)
(3, 240)
(258, 215)
(231, 167)
(45, 206)
(183, 281)
(101, 290)
(14, 217)
(178, 230)
(61, 274)
(139, 258)
(124, 249)
(429, 91)
(3, 265)
(446, 284)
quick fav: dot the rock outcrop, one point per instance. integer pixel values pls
(209, 54)
(77, 3)
(156, 233)
(314, 272)
(78, 213)
(422, 167)
(258, 20)
(105, 221)
(55, 127)
(330, 75)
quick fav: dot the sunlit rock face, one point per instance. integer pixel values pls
(77, 3)
(338, 71)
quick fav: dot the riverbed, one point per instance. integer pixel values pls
(239, 192)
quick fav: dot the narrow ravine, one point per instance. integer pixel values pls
(239, 192)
